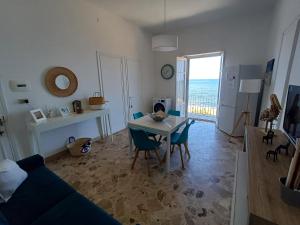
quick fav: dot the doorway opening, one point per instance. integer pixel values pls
(204, 72)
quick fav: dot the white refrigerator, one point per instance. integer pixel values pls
(231, 101)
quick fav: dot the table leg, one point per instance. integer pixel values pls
(130, 143)
(38, 142)
(100, 127)
(168, 153)
(31, 140)
(109, 126)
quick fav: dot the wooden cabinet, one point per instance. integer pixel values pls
(257, 189)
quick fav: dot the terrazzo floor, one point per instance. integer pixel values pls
(200, 194)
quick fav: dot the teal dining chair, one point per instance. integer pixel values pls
(173, 112)
(143, 143)
(182, 139)
(138, 115)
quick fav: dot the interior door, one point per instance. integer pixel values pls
(111, 72)
(134, 86)
(181, 85)
(6, 147)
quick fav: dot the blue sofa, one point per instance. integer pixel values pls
(45, 199)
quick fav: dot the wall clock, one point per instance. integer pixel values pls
(167, 71)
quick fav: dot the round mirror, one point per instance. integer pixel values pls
(62, 82)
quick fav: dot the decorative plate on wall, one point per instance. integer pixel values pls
(167, 71)
(61, 81)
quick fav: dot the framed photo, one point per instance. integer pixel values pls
(38, 115)
(64, 111)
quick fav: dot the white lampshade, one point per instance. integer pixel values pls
(164, 43)
(250, 86)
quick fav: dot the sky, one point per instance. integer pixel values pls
(205, 68)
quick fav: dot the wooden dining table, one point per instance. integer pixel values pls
(163, 128)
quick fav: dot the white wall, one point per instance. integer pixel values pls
(37, 35)
(243, 40)
(285, 13)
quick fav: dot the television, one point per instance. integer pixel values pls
(291, 123)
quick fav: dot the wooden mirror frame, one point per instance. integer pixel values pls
(51, 76)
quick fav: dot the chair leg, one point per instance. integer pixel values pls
(148, 166)
(146, 155)
(172, 150)
(187, 151)
(157, 155)
(159, 139)
(135, 157)
(180, 150)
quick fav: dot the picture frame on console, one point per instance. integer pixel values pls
(64, 111)
(38, 116)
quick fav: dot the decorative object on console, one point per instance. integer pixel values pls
(249, 86)
(38, 115)
(77, 108)
(64, 111)
(61, 81)
(278, 150)
(79, 147)
(167, 71)
(268, 137)
(286, 147)
(97, 102)
(49, 111)
(271, 152)
(272, 113)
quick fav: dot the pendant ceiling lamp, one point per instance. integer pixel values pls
(165, 42)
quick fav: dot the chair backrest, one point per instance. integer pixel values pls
(137, 115)
(174, 112)
(141, 140)
(185, 133)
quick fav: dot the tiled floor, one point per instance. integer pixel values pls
(200, 194)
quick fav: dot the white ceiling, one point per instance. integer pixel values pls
(148, 14)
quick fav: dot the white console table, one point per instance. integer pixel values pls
(36, 129)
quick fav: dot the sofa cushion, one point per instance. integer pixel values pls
(31, 163)
(37, 194)
(76, 210)
(11, 177)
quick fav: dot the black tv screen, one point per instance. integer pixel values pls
(291, 123)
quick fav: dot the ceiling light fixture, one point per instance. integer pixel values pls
(165, 42)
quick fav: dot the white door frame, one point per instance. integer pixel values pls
(12, 152)
(204, 55)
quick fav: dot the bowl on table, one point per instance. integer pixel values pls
(158, 116)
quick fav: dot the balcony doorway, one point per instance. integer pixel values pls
(203, 81)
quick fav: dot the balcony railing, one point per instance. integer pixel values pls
(202, 106)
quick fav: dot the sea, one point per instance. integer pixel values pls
(203, 96)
